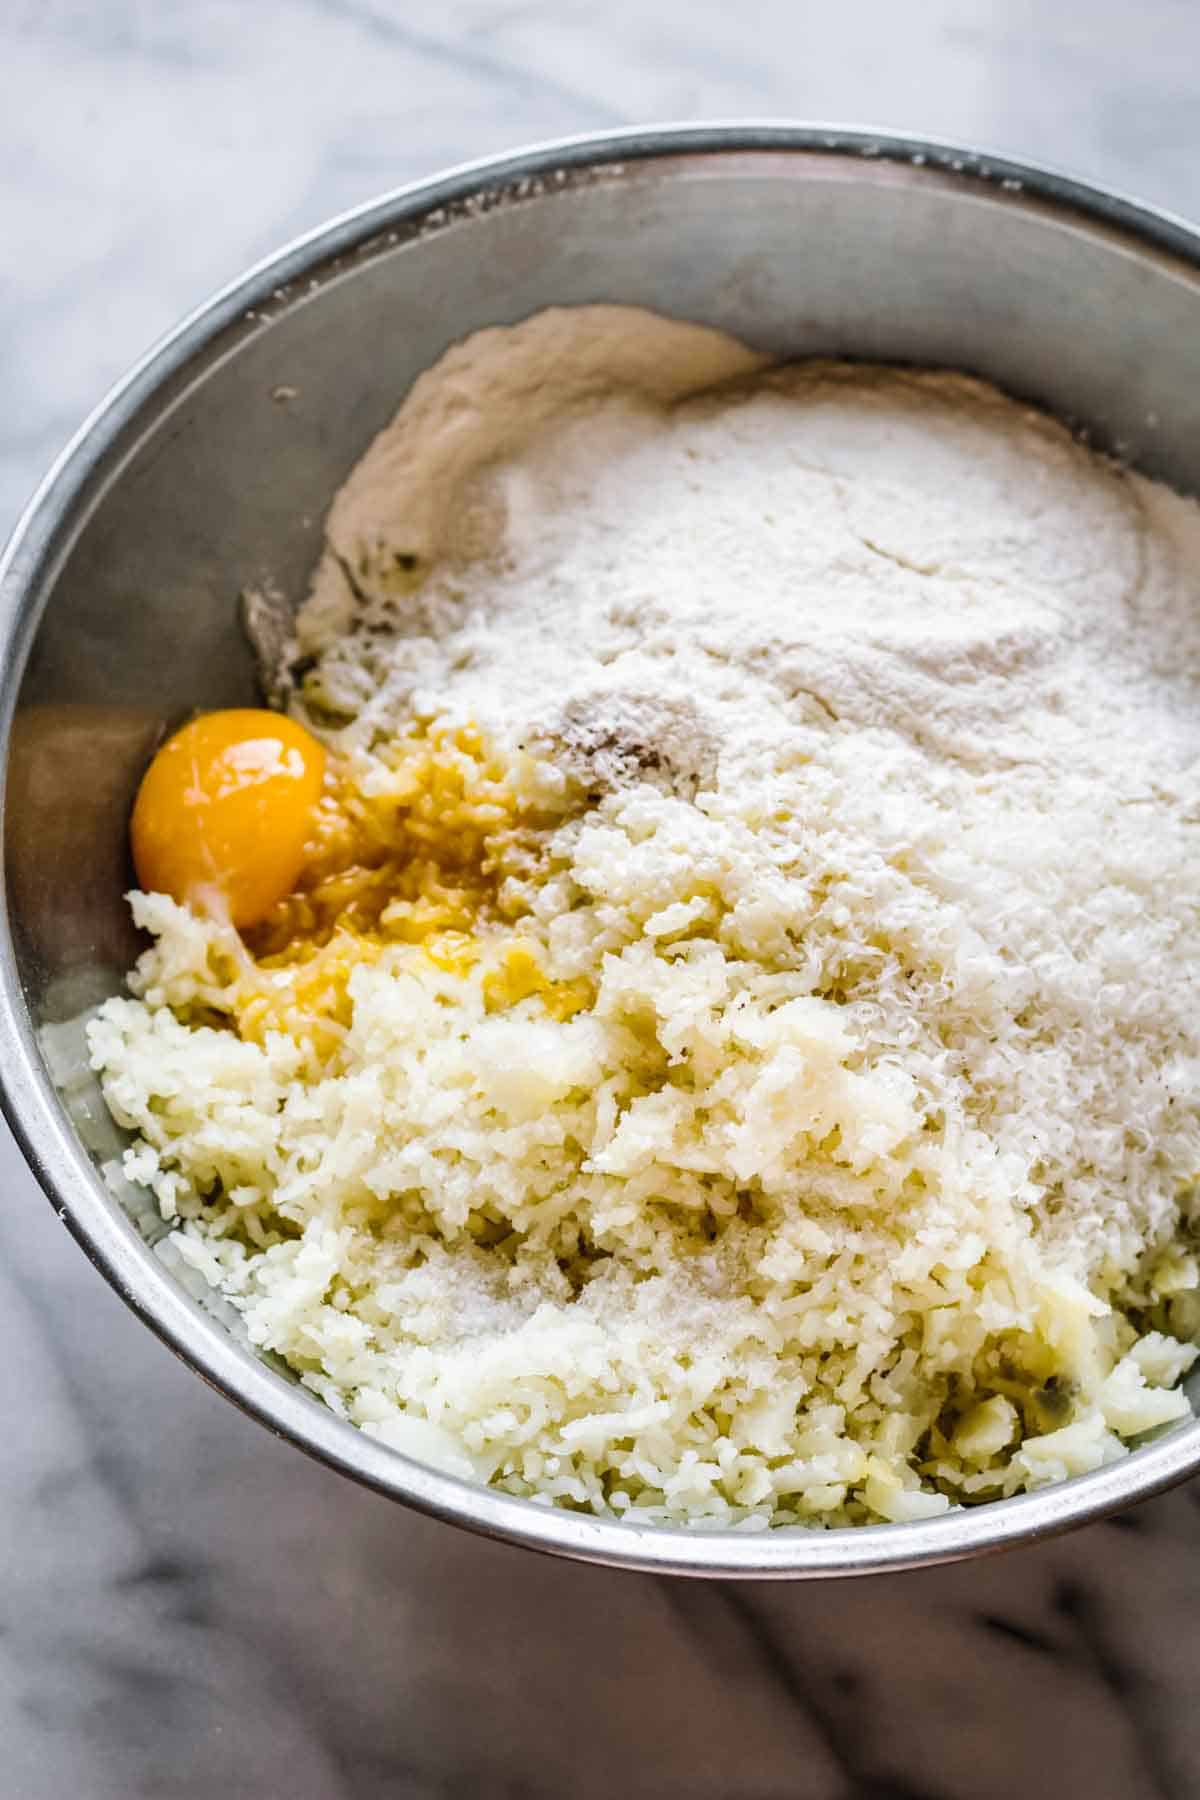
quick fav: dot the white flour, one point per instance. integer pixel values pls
(895, 602)
(868, 702)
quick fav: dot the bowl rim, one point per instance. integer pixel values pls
(28, 566)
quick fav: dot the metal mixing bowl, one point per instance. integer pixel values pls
(210, 467)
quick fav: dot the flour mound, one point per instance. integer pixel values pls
(854, 716)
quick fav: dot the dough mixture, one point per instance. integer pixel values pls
(733, 1056)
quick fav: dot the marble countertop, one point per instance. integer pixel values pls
(190, 1609)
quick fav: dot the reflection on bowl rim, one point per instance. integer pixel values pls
(39, 1122)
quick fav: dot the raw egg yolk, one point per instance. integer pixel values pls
(224, 812)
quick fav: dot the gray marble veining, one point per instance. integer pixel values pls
(188, 1608)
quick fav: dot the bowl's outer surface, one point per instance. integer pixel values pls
(209, 471)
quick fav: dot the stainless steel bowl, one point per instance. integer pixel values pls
(209, 468)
